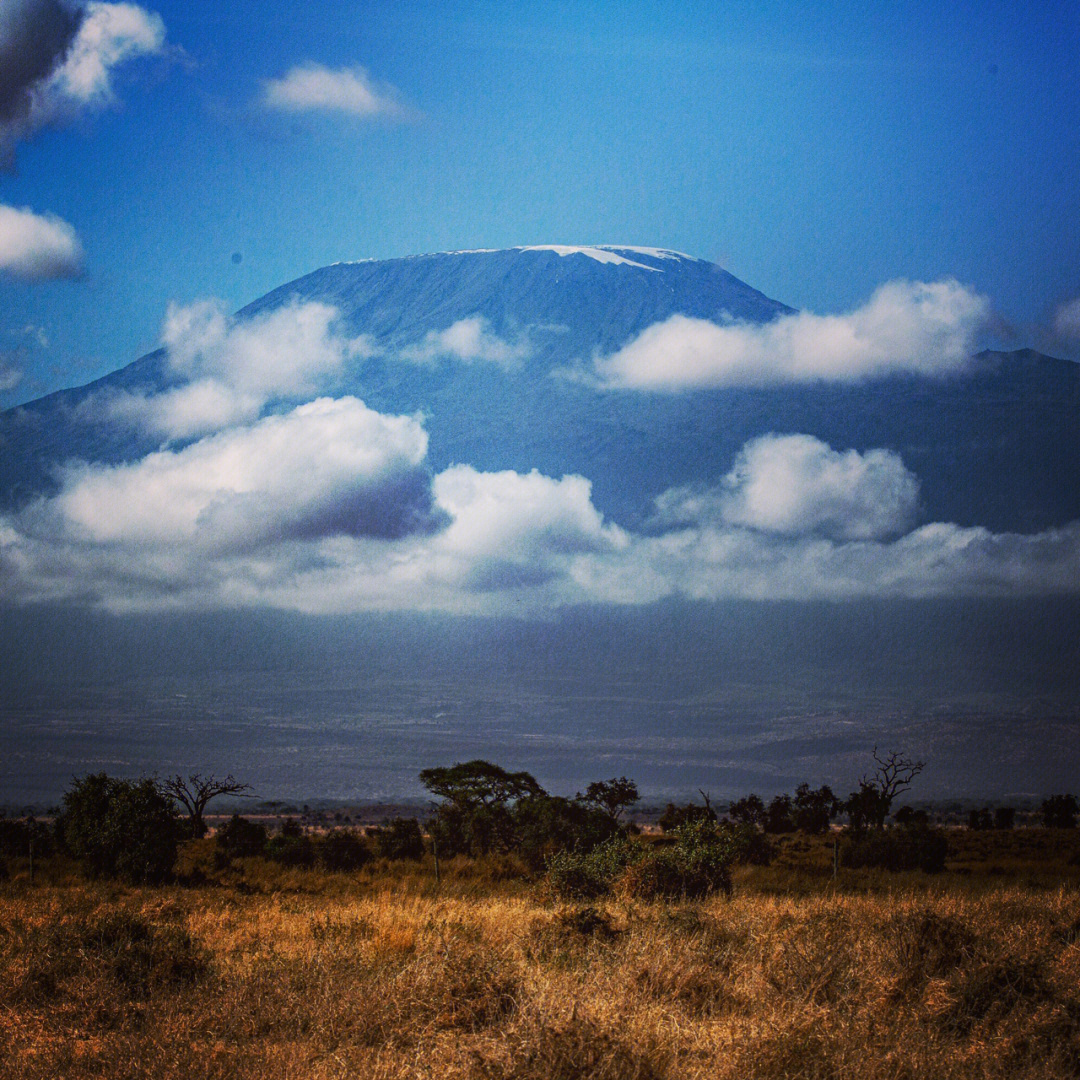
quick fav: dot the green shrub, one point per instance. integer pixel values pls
(292, 846)
(547, 824)
(344, 850)
(697, 864)
(16, 834)
(120, 828)
(580, 875)
(675, 816)
(909, 847)
(238, 838)
(400, 838)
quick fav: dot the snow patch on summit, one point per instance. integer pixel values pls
(600, 254)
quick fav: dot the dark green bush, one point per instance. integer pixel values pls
(120, 828)
(16, 834)
(697, 864)
(344, 850)
(238, 838)
(400, 838)
(579, 875)
(675, 816)
(292, 846)
(1059, 811)
(909, 847)
(547, 824)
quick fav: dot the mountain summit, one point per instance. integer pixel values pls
(497, 351)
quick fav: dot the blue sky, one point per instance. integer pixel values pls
(816, 150)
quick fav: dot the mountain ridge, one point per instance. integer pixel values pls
(997, 445)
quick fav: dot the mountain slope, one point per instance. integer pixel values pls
(997, 446)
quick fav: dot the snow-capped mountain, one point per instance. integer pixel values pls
(497, 350)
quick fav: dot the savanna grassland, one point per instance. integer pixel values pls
(265, 971)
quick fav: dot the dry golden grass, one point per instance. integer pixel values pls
(379, 975)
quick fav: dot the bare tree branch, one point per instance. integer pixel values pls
(195, 791)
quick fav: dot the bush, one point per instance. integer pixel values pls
(579, 875)
(15, 837)
(291, 846)
(1059, 812)
(697, 864)
(400, 838)
(905, 848)
(676, 816)
(546, 824)
(751, 845)
(121, 828)
(814, 808)
(343, 849)
(778, 815)
(238, 838)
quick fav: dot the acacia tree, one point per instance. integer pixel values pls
(891, 776)
(611, 797)
(477, 814)
(194, 792)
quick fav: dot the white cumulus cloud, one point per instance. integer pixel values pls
(37, 247)
(469, 340)
(330, 508)
(229, 369)
(797, 485)
(328, 467)
(905, 327)
(312, 87)
(110, 34)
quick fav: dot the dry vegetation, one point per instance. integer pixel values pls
(273, 972)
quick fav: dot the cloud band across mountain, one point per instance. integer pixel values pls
(330, 508)
(905, 328)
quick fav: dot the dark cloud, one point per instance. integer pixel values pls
(35, 36)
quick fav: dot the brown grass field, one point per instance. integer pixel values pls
(271, 973)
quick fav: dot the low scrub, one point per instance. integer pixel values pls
(696, 862)
(909, 847)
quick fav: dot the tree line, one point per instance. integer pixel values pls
(132, 829)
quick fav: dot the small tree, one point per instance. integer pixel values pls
(1004, 817)
(291, 846)
(814, 808)
(1059, 812)
(124, 828)
(891, 776)
(865, 807)
(748, 811)
(343, 849)
(546, 824)
(194, 792)
(239, 838)
(778, 815)
(400, 838)
(611, 797)
(675, 817)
